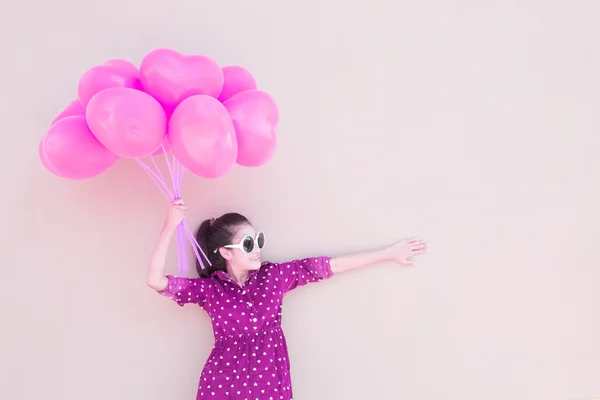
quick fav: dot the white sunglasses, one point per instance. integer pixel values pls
(248, 243)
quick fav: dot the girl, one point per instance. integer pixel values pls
(243, 298)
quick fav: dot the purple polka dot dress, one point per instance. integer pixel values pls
(250, 357)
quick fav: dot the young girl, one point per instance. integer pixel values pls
(243, 298)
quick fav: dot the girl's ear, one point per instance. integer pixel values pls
(225, 253)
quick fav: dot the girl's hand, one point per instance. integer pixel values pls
(175, 214)
(402, 252)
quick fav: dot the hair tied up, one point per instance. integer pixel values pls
(213, 234)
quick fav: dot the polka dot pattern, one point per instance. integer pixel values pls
(249, 360)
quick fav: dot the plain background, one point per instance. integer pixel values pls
(472, 124)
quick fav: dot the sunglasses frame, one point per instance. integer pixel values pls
(240, 245)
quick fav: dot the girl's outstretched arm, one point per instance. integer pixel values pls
(157, 278)
(402, 253)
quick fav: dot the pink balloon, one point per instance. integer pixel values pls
(103, 77)
(70, 150)
(202, 136)
(130, 123)
(166, 145)
(74, 108)
(255, 116)
(237, 80)
(124, 65)
(43, 157)
(172, 77)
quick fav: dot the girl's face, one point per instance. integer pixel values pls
(237, 258)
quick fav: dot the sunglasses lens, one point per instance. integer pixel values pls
(248, 244)
(261, 240)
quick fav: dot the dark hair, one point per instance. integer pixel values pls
(213, 234)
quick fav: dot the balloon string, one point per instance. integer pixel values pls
(176, 173)
(195, 245)
(183, 229)
(182, 234)
(170, 169)
(177, 184)
(181, 253)
(179, 175)
(159, 183)
(180, 245)
(162, 178)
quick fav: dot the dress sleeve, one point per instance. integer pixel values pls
(304, 271)
(187, 290)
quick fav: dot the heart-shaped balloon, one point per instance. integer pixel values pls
(103, 77)
(129, 122)
(171, 77)
(255, 116)
(124, 65)
(202, 136)
(74, 108)
(237, 79)
(70, 150)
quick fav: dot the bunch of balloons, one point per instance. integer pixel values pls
(209, 118)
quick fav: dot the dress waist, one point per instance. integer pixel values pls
(250, 334)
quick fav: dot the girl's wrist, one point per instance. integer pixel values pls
(169, 226)
(385, 254)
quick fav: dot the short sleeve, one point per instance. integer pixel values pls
(187, 290)
(304, 271)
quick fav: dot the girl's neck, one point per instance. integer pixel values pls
(238, 277)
